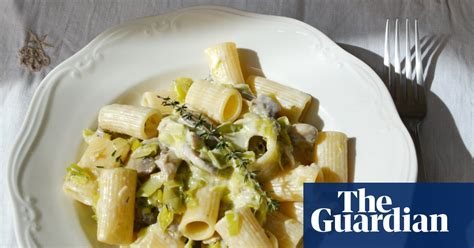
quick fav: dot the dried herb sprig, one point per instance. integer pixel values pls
(209, 132)
(251, 176)
(204, 128)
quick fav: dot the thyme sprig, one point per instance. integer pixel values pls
(251, 176)
(207, 131)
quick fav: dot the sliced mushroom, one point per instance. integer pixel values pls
(143, 166)
(303, 136)
(265, 105)
(168, 164)
(194, 140)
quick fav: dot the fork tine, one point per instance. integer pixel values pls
(397, 49)
(386, 55)
(408, 70)
(398, 86)
(418, 65)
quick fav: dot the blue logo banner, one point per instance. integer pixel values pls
(389, 215)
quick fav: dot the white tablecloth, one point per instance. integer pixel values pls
(358, 26)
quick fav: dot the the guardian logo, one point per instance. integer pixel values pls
(374, 215)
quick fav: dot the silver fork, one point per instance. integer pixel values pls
(407, 88)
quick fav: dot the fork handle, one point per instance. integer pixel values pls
(414, 128)
(387, 77)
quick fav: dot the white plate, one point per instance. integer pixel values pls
(148, 53)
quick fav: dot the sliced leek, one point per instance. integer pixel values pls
(81, 185)
(254, 126)
(105, 153)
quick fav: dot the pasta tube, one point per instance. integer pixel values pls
(288, 186)
(331, 156)
(242, 230)
(294, 103)
(139, 122)
(220, 103)
(105, 153)
(198, 222)
(293, 210)
(224, 63)
(150, 100)
(288, 231)
(177, 92)
(154, 236)
(272, 238)
(81, 185)
(116, 206)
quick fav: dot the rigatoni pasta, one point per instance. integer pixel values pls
(116, 206)
(150, 100)
(294, 103)
(249, 232)
(191, 167)
(288, 186)
(331, 156)
(140, 122)
(288, 231)
(154, 236)
(220, 103)
(224, 63)
(272, 238)
(293, 210)
(154, 99)
(198, 222)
